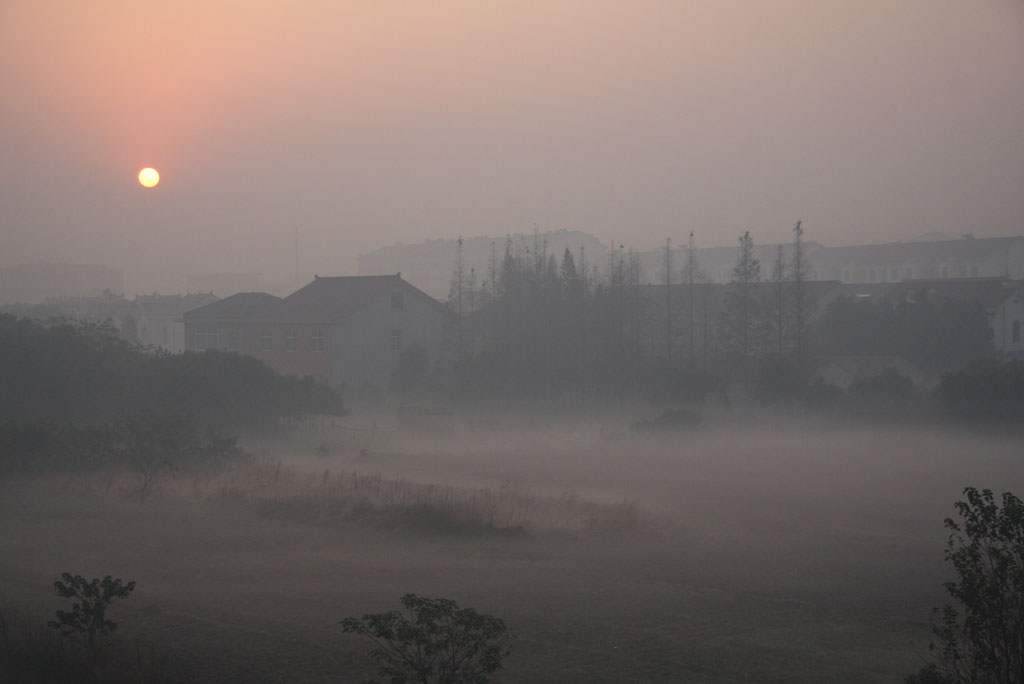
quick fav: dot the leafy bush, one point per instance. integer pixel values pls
(981, 636)
(87, 618)
(434, 642)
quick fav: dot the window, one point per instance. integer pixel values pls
(316, 342)
(291, 340)
(846, 276)
(206, 339)
(908, 273)
(895, 274)
(945, 272)
(1016, 332)
(397, 300)
(234, 339)
(396, 340)
(267, 341)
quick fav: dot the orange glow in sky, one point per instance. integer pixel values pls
(367, 122)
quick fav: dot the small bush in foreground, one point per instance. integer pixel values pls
(434, 642)
(981, 636)
(87, 618)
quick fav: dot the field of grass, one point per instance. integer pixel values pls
(716, 555)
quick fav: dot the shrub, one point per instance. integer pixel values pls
(434, 642)
(87, 618)
(981, 636)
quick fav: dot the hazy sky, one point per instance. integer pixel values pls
(364, 123)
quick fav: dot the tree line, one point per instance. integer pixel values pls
(537, 323)
(83, 373)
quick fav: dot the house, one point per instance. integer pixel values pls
(1006, 315)
(346, 331)
(843, 371)
(224, 324)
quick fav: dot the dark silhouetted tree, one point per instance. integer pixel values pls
(799, 273)
(980, 639)
(87, 621)
(743, 315)
(433, 642)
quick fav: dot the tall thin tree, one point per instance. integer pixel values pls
(455, 296)
(691, 273)
(668, 298)
(800, 269)
(779, 313)
(743, 304)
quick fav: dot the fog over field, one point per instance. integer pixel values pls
(765, 552)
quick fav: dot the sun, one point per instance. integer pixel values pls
(149, 177)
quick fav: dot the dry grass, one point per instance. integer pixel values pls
(401, 504)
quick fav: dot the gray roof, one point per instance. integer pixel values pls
(332, 299)
(238, 306)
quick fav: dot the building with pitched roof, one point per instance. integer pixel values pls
(224, 324)
(346, 331)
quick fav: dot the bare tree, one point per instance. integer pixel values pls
(668, 298)
(705, 312)
(779, 292)
(799, 273)
(690, 278)
(742, 306)
(456, 293)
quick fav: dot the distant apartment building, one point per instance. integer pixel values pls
(346, 331)
(35, 283)
(429, 265)
(968, 257)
